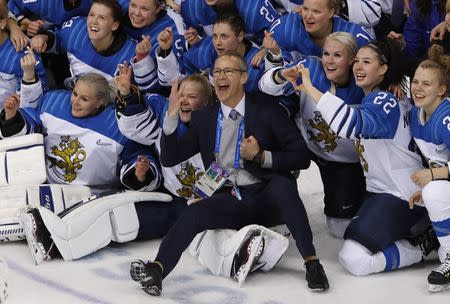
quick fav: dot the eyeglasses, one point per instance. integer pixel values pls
(228, 71)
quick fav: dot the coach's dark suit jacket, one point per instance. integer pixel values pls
(264, 118)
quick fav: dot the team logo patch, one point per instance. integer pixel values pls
(69, 156)
(325, 135)
(187, 177)
(359, 148)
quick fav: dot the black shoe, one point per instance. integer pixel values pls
(427, 241)
(247, 257)
(315, 276)
(149, 275)
(439, 278)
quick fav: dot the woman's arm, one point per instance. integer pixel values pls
(11, 121)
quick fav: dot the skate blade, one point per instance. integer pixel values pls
(251, 261)
(27, 224)
(438, 288)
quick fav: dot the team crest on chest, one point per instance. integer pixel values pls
(68, 157)
(359, 148)
(187, 177)
(325, 135)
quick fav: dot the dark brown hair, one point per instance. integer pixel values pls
(389, 53)
(113, 5)
(235, 22)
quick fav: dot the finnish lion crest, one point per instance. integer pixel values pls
(69, 155)
(359, 149)
(325, 134)
(187, 177)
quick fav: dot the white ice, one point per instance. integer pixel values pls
(103, 276)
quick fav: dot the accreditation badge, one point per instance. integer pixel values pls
(213, 179)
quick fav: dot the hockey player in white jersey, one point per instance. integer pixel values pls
(382, 136)
(141, 118)
(341, 173)
(96, 43)
(83, 144)
(84, 147)
(430, 127)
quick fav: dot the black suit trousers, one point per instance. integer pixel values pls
(270, 203)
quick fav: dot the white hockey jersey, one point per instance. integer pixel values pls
(433, 137)
(320, 139)
(145, 127)
(87, 151)
(382, 136)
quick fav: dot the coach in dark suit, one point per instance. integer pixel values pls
(271, 147)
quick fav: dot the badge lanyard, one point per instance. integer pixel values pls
(237, 155)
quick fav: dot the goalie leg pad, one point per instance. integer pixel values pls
(92, 224)
(216, 249)
(125, 223)
(10, 229)
(52, 196)
(22, 160)
(208, 247)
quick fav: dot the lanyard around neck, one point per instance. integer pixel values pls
(219, 127)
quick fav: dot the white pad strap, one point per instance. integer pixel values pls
(124, 222)
(51, 196)
(22, 160)
(215, 249)
(92, 224)
(10, 229)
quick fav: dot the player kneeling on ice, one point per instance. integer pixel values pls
(430, 127)
(376, 238)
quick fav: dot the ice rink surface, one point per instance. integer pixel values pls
(103, 276)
